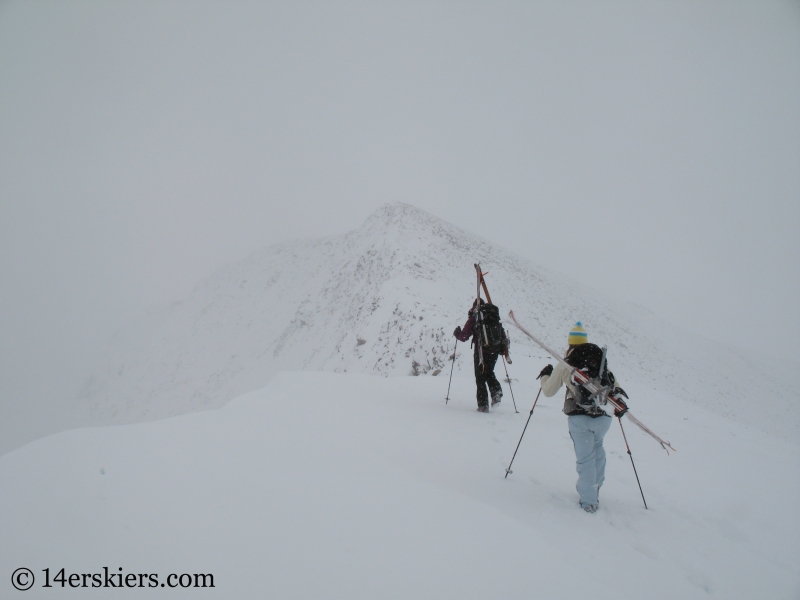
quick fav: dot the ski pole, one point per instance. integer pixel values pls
(447, 398)
(633, 465)
(508, 379)
(508, 470)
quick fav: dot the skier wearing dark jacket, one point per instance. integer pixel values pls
(484, 375)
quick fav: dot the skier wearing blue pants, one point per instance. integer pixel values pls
(587, 435)
(588, 423)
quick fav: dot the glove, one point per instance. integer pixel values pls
(618, 412)
(457, 331)
(618, 391)
(548, 370)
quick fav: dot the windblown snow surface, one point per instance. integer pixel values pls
(334, 474)
(326, 485)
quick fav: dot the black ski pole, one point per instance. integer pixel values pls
(633, 465)
(508, 379)
(508, 470)
(447, 398)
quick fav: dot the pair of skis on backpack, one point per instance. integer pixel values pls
(491, 333)
(599, 393)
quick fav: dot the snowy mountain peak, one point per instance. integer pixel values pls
(398, 218)
(384, 299)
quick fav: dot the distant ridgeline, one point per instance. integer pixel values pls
(384, 299)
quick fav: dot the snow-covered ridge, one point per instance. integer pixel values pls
(384, 299)
(367, 487)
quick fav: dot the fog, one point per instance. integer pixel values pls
(651, 150)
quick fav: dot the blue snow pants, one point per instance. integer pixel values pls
(587, 435)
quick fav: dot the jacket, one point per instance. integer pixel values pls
(469, 327)
(562, 376)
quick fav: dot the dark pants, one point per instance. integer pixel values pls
(485, 376)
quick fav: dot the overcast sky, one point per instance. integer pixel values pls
(650, 148)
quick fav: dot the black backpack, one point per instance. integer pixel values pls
(587, 357)
(492, 333)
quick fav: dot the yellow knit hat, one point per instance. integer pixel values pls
(578, 335)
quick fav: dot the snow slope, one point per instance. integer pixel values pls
(384, 299)
(325, 485)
